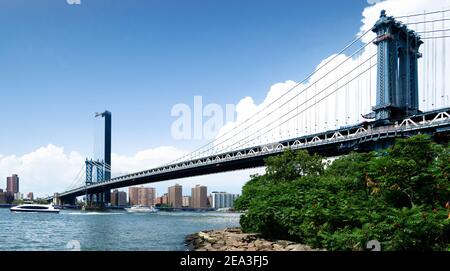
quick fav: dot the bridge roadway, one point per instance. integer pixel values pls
(364, 137)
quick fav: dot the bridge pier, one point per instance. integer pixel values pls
(98, 199)
(56, 200)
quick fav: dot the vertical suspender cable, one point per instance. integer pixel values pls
(443, 60)
(434, 59)
(427, 71)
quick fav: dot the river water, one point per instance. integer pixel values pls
(109, 231)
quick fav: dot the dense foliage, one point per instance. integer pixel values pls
(399, 197)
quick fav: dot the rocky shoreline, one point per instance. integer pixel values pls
(233, 239)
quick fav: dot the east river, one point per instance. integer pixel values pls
(108, 231)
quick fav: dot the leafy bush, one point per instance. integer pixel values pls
(397, 196)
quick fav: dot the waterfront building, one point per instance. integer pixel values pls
(118, 198)
(18, 196)
(3, 197)
(147, 196)
(165, 199)
(187, 201)
(144, 196)
(199, 197)
(133, 194)
(30, 196)
(210, 199)
(176, 196)
(223, 200)
(12, 184)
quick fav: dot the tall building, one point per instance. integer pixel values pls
(209, 202)
(199, 197)
(187, 201)
(165, 199)
(30, 196)
(133, 194)
(146, 196)
(12, 184)
(223, 200)
(102, 151)
(18, 196)
(118, 198)
(176, 196)
(158, 201)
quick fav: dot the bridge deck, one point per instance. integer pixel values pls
(365, 136)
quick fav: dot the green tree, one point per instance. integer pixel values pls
(398, 196)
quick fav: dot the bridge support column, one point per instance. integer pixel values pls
(56, 200)
(397, 82)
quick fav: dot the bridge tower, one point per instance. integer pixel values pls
(99, 170)
(397, 76)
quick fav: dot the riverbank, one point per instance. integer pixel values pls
(233, 239)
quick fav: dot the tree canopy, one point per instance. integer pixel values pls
(397, 196)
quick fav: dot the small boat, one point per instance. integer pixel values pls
(141, 209)
(34, 208)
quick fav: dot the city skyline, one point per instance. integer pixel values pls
(177, 199)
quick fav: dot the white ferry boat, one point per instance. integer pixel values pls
(34, 208)
(141, 209)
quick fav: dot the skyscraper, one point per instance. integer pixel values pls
(199, 197)
(165, 199)
(118, 198)
(146, 196)
(187, 201)
(102, 150)
(30, 196)
(12, 184)
(3, 196)
(223, 200)
(133, 194)
(176, 196)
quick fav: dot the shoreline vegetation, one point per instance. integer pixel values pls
(398, 197)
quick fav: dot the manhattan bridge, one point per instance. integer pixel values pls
(390, 82)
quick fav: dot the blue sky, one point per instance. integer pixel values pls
(61, 63)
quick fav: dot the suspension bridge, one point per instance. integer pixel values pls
(390, 82)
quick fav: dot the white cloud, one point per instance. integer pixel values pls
(295, 114)
(44, 171)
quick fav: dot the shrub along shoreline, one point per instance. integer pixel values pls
(398, 196)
